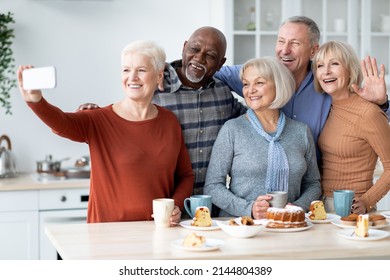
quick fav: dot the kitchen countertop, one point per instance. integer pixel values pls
(29, 181)
(143, 241)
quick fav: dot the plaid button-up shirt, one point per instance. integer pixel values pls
(201, 113)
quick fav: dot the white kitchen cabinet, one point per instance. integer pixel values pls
(60, 206)
(252, 25)
(19, 225)
(19, 235)
(27, 205)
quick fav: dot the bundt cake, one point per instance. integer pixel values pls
(288, 217)
(317, 210)
(202, 217)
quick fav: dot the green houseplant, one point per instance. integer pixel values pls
(7, 66)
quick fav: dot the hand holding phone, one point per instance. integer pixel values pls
(39, 78)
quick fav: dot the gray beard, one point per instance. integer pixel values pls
(194, 79)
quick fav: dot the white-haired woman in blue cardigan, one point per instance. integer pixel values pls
(263, 150)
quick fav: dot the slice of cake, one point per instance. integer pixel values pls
(194, 240)
(202, 217)
(361, 229)
(317, 210)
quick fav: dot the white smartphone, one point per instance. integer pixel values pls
(39, 78)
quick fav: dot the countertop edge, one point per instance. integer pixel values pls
(27, 181)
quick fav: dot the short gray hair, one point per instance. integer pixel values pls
(270, 68)
(314, 31)
(149, 49)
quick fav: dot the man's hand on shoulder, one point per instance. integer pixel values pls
(87, 106)
(160, 85)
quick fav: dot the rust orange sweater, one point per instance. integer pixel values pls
(131, 162)
(355, 134)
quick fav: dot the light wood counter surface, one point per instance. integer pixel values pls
(28, 181)
(143, 241)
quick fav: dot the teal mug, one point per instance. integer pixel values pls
(343, 202)
(195, 201)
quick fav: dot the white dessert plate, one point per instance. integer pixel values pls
(329, 218)
(309, 225)
(386, 214)
(240, 231)
(373, 234)
(210, 245)
(337, 222)
(187, 224)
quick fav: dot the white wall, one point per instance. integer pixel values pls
(83, 40)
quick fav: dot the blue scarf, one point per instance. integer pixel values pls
(277, 165)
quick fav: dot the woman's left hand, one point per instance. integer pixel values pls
(358, 206)
(374, 89)
(176, 216)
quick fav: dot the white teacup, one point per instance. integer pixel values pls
(162, 211)
(279, 199)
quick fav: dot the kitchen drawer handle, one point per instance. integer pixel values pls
(84, 198)
(63, 198)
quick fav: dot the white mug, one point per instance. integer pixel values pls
(162, 211)
(279, 199)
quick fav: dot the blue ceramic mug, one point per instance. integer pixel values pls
(343, 202)
(195, 201)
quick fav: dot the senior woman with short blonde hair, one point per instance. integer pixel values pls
(263, 150)
(137, 148)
